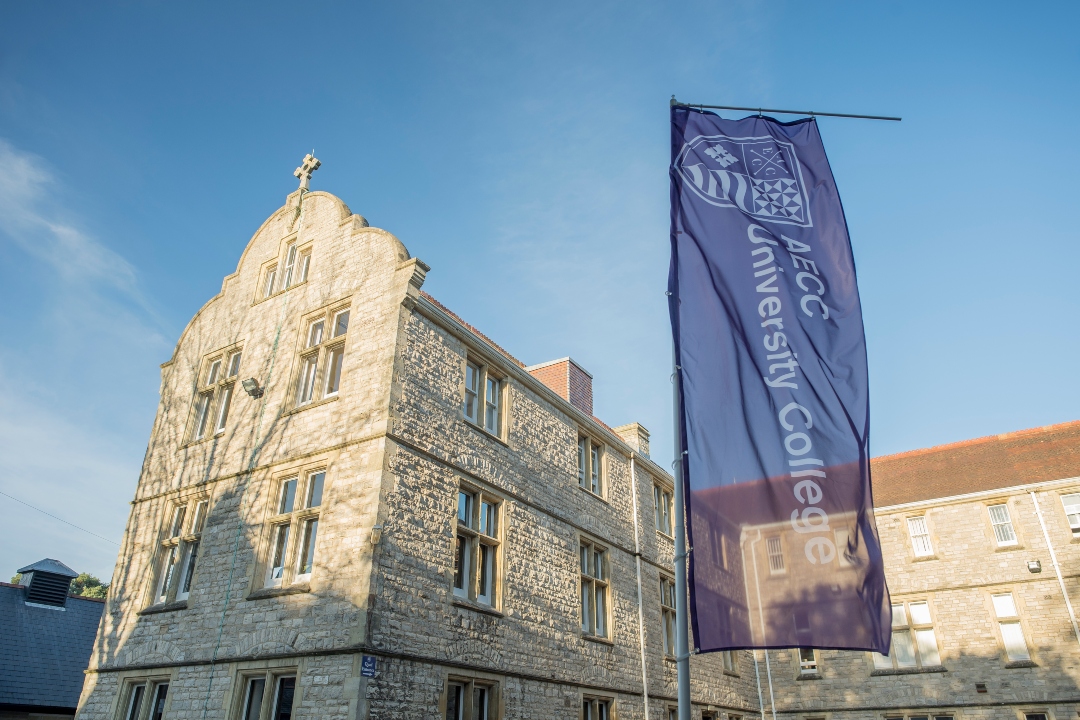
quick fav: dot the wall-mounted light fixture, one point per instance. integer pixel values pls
(251, 387)
(1034, 566)
(376, 534)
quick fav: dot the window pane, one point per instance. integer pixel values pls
(586, 605)
(776, 555)
(656, 505)
(166, 575)
(315, 485)
(667, 512)
(594, 468)
(487, 574)
(491, 406)
(455, 702)
(586, 710)
(1004, 605)
(920, 537)
(285, 690)
(333, 372)
(315, 333)
(288, 496)
(223, 409)
(807, 660)
(920, 613)
(158, 708)
(200, 517)
(189, 568)
(277, 557)
(582, 451)
(903, 650)
(202, 414)
(882, 662)
(472, 384)
(465, 508)
(234, 364)
(212, 375)
(928, 650)
(1072, 510)
(341, 323)
(461, 560)
(601, 610)
(136, 702)
(177, 527)
(253, 704)
(290, 264)
(1015, 646)
(899, 617)
(488, 520)
(1003, 529)
(598, 565)
(480, 703)
(305, 263)
(309, 367)
(307, 546)
(271, 278)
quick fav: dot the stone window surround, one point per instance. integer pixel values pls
(241, 672)
(931, 536)
(910, 626)
(223, 386)
(291, 582)
(1009, 501)
(1021, 618)
(659, 490)
(594, 545)
(807, 673)
(481, 493)
(485, 368)
(322, 350)
(168, 543)
(278, 263)
(128, 680)
(470, 677)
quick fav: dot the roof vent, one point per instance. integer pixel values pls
(47, 582)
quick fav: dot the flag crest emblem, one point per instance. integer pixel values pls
(760, 176)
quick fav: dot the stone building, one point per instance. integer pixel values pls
(982, 555)
(355, 505)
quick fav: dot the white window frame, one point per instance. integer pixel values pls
(1014, 641)
(1070, 502)
(595, 566)
(591, 472)
(321, 365)
(663, 508)
(914, 633)
(272, 680)
(291, 513)
(477, 546)
(488, 408)
(809, 661)
(1002, 525)
(177, 554)
(919, 533)
(774, 550)
(215, 393)
(472, 689)
(595, 707)
(147, 691)
(667, 614)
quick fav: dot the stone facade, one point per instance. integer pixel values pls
(381, 603)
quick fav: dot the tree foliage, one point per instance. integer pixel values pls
(85, 585)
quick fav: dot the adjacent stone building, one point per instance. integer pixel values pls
(355, 505)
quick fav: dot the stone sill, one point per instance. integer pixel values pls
(909, 671)
(597, 639)
(167, 607)
(477, 607)
(297, 589)
(808, 676)
(1021, 664)
(483, 432)
(312, 404)
(593, 495)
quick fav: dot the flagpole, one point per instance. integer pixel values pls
(682, 635)
(760, 110)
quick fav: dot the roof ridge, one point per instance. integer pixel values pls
(473, 328)
(977, 441)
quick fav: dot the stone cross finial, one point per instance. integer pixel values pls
(310, 165)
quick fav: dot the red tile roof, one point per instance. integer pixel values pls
(472, 329)
(988, 463)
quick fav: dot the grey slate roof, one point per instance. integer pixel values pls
(44, 651)
(50, 566)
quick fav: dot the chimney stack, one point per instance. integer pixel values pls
(636, 436)
(569, 380)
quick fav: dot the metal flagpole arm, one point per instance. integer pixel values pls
(759, 110)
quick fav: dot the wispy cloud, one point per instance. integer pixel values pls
(77, 374)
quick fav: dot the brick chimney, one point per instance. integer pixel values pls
(569, 380)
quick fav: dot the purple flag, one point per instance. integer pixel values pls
(775, 420)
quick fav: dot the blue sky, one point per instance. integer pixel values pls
(520, 149)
